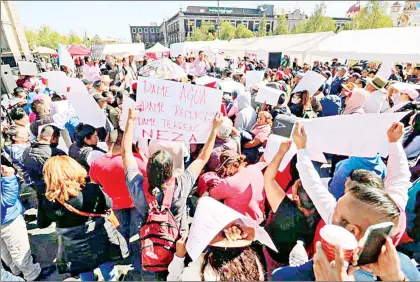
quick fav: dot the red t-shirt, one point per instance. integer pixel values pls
(109, 173)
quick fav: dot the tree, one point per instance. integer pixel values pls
(243, 32)
(227, 30)
(197, 35)
(317, 22)
(281, 26)
(74, 39)
(262, 31)
(373, 15)
(32, 38)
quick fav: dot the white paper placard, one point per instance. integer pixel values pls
(386, 69)
(87, 109)
(311, 81)
(27, 68)
(273, 145)
(127, 103)
(57, 81)
(351, 135)
(220, 61)
(253, 77)
(210, 218)
(268, 95)
(174, 111)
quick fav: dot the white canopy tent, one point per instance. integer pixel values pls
(44, 50)
(398, 44)
(158, 48)
(123, 50)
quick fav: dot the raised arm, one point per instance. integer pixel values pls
(397, 181)
(274, 192)
(127, 154)
(197, 166)
(323, 200)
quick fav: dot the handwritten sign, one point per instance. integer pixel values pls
(268, 95)
(311, 82)
(96, 50)
(351, 135)
(177, 112)
(210, 218)
(27, 68)
(253, 77)
(259, 55)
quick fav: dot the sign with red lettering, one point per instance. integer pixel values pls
(174, 111)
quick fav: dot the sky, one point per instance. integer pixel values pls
(111, 19)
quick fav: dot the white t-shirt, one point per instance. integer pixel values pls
(376, 103)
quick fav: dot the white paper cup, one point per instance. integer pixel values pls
(332, 235)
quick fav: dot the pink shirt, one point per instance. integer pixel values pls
(201, 67)
(261, 132)
(243, 192)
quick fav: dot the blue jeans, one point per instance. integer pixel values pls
(130, 220)
(107, 270)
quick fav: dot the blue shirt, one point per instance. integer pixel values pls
(11, 207)
(305, 272)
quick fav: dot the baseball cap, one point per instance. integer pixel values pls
(97, 83)
(86, 82)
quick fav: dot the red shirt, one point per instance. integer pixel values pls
(109, 173)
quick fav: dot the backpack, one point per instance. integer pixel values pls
(159, 233)
(331, 105)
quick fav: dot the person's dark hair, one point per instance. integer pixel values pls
(233, 264)
(18, 90)
(200, 52)
(373, 72)
(305, 201)
(159, 170)
(415, 132)
(365, 177)
(316, 105)
(363, 82)
(17, 113)
(377, 199)
(120, 95)
(417, 68)
(230, 157)
(38, 106)
(12, 132)
(282, 99)
(357, 69)
(83, 131)
(56, 98)
(50, 130)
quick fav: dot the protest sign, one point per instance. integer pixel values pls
(268, 95)
(220, 61)
(311, 81)
(259, 55)
(76, 85)
(57, 81)
(96, 50)
(273, 145)
(64, 57)
(385, 70)
(253, 77)
(173, 111)
(351, 135)
(87, 109)
(127, 103)
(210, 218)
(27, 68)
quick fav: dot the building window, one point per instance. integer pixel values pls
(198, 23)
(140, 30)
(152, 30)
(133, 30)
(146, 30)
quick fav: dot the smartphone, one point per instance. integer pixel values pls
(373, 241)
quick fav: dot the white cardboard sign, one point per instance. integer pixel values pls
(351, 135)
(127, 103)
(311, 81)
(87, 109)
(386, 69)
(210, 218)
(253, 77)
(27, 68)
(268, 95)
(174, 111)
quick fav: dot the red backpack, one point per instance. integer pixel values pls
(158, 235)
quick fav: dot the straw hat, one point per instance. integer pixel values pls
(379, 83)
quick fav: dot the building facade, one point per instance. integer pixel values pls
(183, 23)
(13, 41)
(149, 35)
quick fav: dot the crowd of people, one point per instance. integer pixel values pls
(105, 187)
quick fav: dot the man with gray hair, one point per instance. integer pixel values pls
(338, 80)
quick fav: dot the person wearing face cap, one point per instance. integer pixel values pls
(401, 98)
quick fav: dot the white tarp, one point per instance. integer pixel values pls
(399, 44)
(124, 50)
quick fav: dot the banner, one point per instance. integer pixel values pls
(27, 68)
(173, 111)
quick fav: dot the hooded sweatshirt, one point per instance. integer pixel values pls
(345, 168)
(246, 117)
